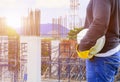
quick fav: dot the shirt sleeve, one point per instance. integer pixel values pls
(101, 10)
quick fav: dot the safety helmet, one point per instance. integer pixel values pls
(94, 50)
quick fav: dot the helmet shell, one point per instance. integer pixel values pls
(93, 50)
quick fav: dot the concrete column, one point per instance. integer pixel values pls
(33, 58)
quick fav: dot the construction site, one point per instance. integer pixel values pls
(28, 55)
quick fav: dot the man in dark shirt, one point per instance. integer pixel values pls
(103, 18)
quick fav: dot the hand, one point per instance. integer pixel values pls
(84, 54)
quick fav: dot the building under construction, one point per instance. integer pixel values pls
(31, 24)
(60, 62)
(59, 27)
(16, 50)
(30, 58)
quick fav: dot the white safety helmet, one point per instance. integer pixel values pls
(94, 50)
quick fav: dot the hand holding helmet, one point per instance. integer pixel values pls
(94, 50)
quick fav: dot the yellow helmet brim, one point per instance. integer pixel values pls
(84, 54)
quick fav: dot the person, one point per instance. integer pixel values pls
(102, 19)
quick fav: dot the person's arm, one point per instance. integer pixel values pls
(101, 10)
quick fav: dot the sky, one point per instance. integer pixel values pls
(15, 9)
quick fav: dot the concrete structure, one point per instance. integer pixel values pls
(33, 58)
(30, 59)
(31, 24)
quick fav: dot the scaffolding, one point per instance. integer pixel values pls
(23, 62)
(65, 65)
(13, 65)
(8, 64)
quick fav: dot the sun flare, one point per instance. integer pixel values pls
(13, 22)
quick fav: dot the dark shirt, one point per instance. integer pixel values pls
(102, 18)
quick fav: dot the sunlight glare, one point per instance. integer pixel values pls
(13, 22)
